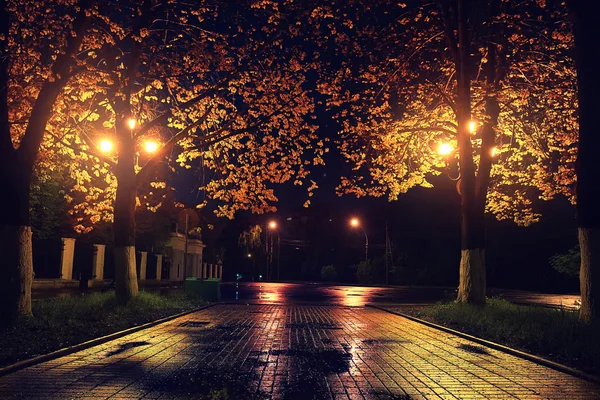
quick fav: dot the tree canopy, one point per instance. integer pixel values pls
(394, 92)
(211, 85)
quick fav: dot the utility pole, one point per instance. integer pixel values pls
(185, 249)
(278, 256)
(389, 259)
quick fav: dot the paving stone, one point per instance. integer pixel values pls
(292, 352)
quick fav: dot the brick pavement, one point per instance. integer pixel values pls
(292, 352)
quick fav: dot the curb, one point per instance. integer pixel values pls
(505, 349)
(91, 343)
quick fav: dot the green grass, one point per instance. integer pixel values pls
(555, 334)
(61, 322)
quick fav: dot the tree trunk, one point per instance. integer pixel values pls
(472, 280)
(587, 36)
(15, 240)
(471, 287)
(589, 243)
(126, 283)
(16, 166)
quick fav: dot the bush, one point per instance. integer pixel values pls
(567, 263)
(328, 273)
(363, 272)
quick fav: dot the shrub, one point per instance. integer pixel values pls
(328, 273)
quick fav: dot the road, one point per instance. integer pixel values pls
(316, 293)
(299, 341)
(294, 352)
(289, 293)
(294, 293)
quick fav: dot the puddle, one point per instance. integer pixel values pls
(208, 382)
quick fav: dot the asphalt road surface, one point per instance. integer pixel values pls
(317, 293)
(346, 295)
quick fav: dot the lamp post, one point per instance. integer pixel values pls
(356, 223)
(273, 228)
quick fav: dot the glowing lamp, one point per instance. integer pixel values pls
(106, 146)
(131, 122)
(354, 222)
(272, 224)
(472, 126)
(151, 146)
(444, 149)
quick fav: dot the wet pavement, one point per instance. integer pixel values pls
(322, 293)
(318, 293)
(346, 295)
(292, 351)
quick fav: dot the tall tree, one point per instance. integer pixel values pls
(211, 83)
(586, 21)
(40, 45)
(477, 76)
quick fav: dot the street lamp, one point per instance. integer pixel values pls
(151, 146)
(131, 122)
(356, 223)
(106, 146)
(445, 148)
(472, 127)
(273, 228)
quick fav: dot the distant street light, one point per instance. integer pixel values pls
(106, 146)
(249, 255)
(356, 223)
(273, 228)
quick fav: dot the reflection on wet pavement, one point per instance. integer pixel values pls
(292, 352)
(349, 296)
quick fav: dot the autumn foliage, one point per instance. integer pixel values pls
(395, 96)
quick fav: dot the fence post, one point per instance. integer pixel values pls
(143, 264)
(98, 262)
(66, 258)
(159, 258)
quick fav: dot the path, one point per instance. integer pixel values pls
(294, 352)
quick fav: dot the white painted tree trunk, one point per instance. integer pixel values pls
(126, 283)
(589, 244)
(25, 269)
(17, 283)
(472, 284)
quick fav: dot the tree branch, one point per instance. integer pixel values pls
(169, 144)
(165, 116)
(50, 90)
(204, 140)
(91, 150)
(6, 144)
